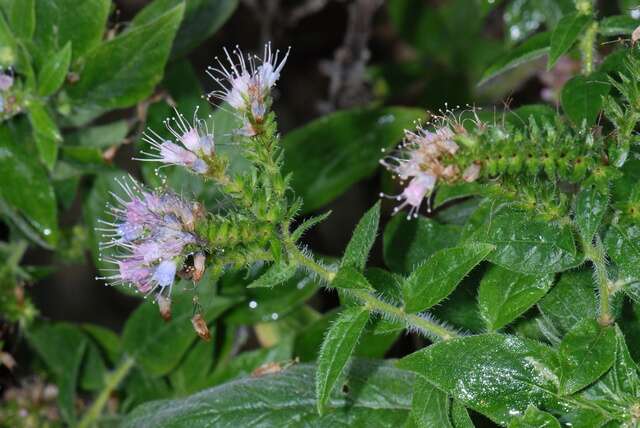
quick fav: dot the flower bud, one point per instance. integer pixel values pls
(200, 326)
(164, 304)
(198, 266)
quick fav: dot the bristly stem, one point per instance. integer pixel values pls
(373, 303)
(587, 48)
(596, 254)
(112, 381)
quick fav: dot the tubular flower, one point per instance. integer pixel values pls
(423, 159)
(246, 85)
(151, 234)
(193, 144)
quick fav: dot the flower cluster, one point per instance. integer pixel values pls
(193, 147)
(154, 232)
(246, 85)
(422, 159)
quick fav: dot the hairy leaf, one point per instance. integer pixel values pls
(364, 236)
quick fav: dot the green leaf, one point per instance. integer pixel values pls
(54, 71)
(202, 18)
(515, 373)
(81, 23)
(349, 278)
(407, 243)
(570, 301)
(330, 154)
(22, 18)
(581, 97)
(337, 347)
(533, 48)
(620, 386)
(566, 33)
(535, 418)
(460, 416)
(34, 212)
(505, 295)
(526, 245)
(308, 224)
(591, 205)
(617, 25)
(276, 274)
(158, 345)
(622, 247)
(376, 392)
(586, 353)
(8, 46)
(364, 236)
(61, 346)
(106, 339)
(93, 370)
(191, 375)
(45, 132)
(440, 274)
(126, 69)
(429, 407)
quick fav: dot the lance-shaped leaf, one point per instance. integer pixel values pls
(623, 247)
(276, 274)
(338, 345)
(45, 133)
(54, 71)
(440, 275)
(581, 97)
(362, 240)
(565, 35)
(586, 353)
(504, 295)
(377, 394)
(591, 205)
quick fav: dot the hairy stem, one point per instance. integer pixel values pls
(373, 303)
(587, 47)
(596, 254)
(111, 383)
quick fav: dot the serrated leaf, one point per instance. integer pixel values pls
(535, 418)
(617, 25)
(515, 372)
(54, 71)
(407, 243)
(440, 274)
(581, 97)
(330, 154)
(591, 205)
(429, 407)
(570, 301)
(348, 278)
(158, 345)
(566, 33)
(337, 347)
(125, 69)
(81, 23)
(504, 295)
(526, 245)
(377, 392)
(276, 274)
(364, 236)
(622, 247)
(34, 212)
(308, 224)
(586, 353)
(45, 133)
(533, 48)
(202, 18)
(61, 346)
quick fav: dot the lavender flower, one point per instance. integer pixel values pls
(422, 160)
(194, 143)
(152, 233)
(245, 85)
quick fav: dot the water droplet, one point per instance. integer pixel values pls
(47, 232)
(274, 316)
(253, 304)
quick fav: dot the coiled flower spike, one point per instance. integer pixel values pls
(152, 232)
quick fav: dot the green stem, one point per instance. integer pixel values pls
(374, 304)
(111, 383)
(587, 47)
(597, 256)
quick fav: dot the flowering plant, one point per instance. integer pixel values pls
(506, 289)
